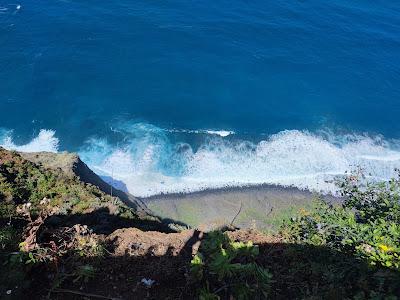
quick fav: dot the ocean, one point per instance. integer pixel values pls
(180, 96)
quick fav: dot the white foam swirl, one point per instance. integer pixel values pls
(44, 141)
(147, 162)
(152, 164)
(221, 133)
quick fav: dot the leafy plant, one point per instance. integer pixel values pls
(8, 235)
(224, 267)
(84, 273)
(22, 182)
(372, 200)
(88, 246)
(366, 225)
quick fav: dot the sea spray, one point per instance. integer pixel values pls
(44, 141)
(155, 164)
(148, 160)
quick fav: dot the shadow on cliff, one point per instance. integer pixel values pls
(116, 184)
(101, 221)
(299, 271)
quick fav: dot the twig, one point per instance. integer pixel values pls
(237, 214)
(222, 288)
(83, 294)
(270, 211)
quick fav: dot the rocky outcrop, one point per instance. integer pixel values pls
(71, 165)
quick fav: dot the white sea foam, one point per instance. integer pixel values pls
(221, 133)
(44, 141)
(148, 163)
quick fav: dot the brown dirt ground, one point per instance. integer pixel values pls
(136, 255)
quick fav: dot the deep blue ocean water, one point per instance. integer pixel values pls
(168, 96)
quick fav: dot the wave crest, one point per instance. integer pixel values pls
(44, 141)
(148, 160)
(149, 163)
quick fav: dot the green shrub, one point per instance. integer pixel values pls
(366, 226)
(373, 201)
(13, 275)
(88, 246)
(9, 237)
(224, 267)
(84, 273)
(22, 181)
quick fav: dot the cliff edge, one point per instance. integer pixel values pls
(71, 165)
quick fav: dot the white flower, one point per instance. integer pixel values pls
(45, 201)
(148, 282)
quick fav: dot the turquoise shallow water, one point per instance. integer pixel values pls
(182, 95)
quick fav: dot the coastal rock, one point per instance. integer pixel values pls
(71, 165)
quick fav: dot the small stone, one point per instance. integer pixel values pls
(9, 292)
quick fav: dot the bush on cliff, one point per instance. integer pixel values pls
(25, 183)
(225, 267)
(365, 226)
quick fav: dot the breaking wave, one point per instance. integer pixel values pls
(44, 141)
(148, 161)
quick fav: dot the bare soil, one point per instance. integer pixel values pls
(136, 255)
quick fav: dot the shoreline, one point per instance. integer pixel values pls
(258, 206)
(250, 188)
(247, 206)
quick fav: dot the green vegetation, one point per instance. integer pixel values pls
(23, 182)
(343, 251)
(349, 250)
(224, 267)
(29, 196)
(365, 227)
(8, 235)
(271, 222)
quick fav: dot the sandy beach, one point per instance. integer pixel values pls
(260, 207)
